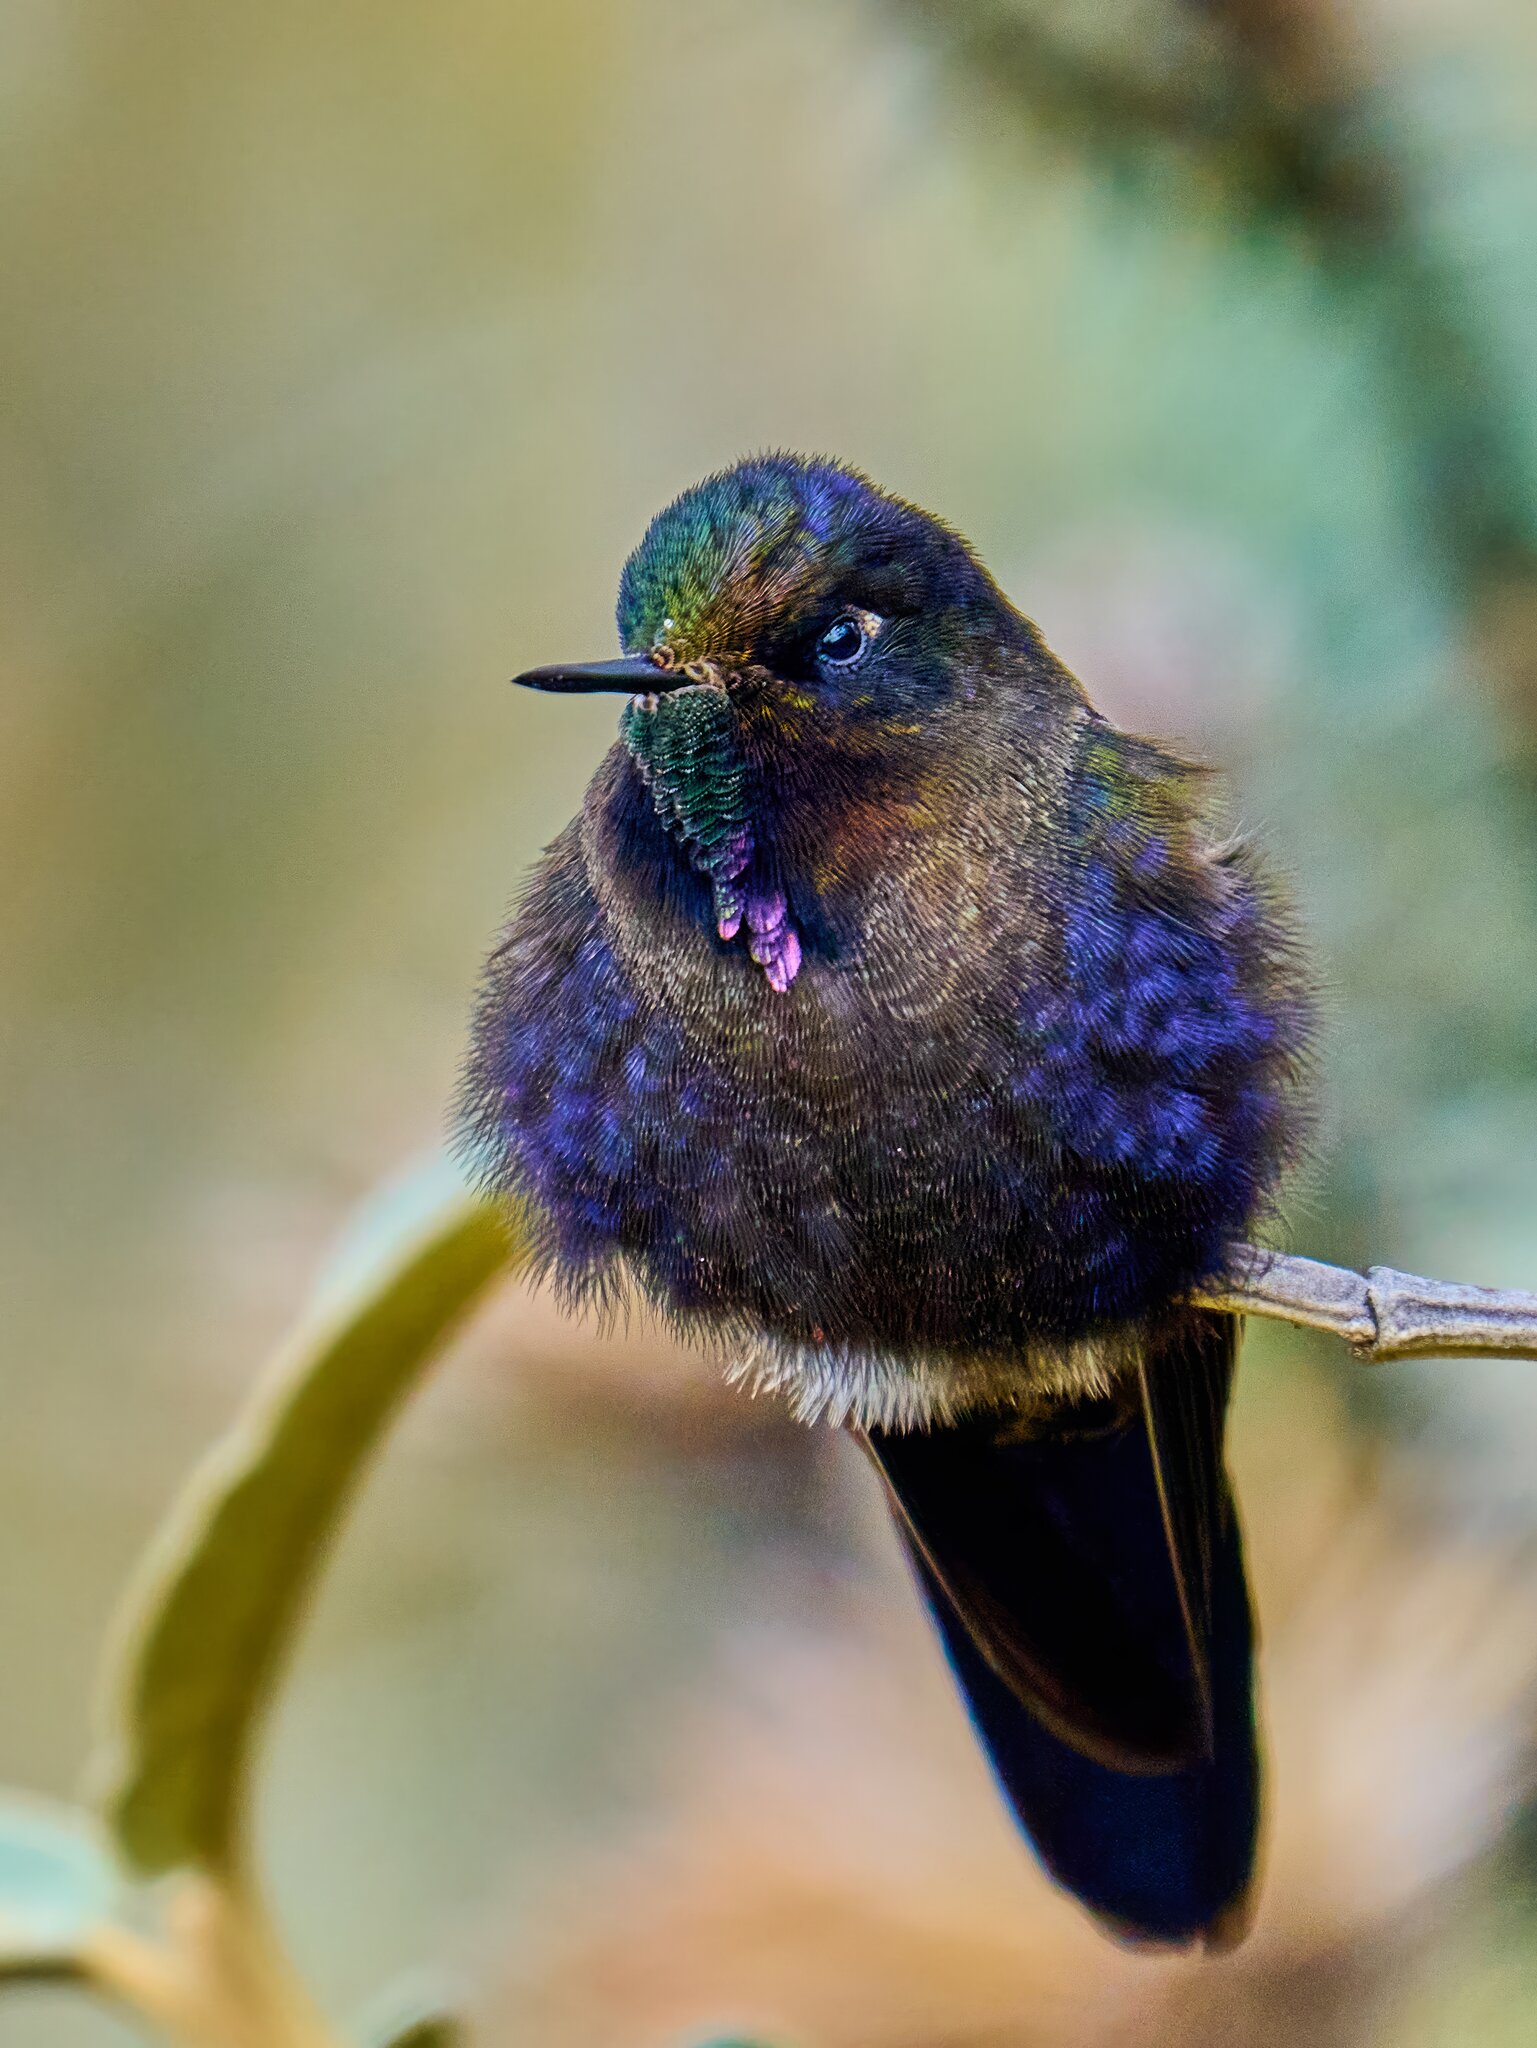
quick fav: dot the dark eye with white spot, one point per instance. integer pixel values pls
(847, 639)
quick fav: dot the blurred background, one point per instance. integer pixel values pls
(345, 352)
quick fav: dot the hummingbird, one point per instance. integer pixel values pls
(901, 1028)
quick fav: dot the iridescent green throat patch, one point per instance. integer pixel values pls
(685, 744)
(686, 750)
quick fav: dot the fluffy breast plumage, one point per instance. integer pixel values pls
(897, 1199)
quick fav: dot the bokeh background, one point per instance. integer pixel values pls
(345, 352)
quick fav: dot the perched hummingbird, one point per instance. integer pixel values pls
(898, 1025)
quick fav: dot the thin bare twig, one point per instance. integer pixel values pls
(1381, 1314)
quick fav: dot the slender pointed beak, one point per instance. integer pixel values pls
(630, 673)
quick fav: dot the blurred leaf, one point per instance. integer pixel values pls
(416, 2015)
(433, 2031)
(56, 1885)
(227, 1579)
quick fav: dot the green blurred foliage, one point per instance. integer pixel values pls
(204, 1639)
(208, 1632)
(56, 1884)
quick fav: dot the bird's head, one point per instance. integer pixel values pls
(797, 644)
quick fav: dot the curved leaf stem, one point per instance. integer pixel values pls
(220, 1979)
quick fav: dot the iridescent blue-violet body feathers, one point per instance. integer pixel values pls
(896, 1023)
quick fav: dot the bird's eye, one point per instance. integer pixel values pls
(845, 640)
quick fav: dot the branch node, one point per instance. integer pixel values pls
(1382, 1314)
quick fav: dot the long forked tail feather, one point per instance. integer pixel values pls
(1088, 1583)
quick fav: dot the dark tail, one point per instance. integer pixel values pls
(1088, 1583)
